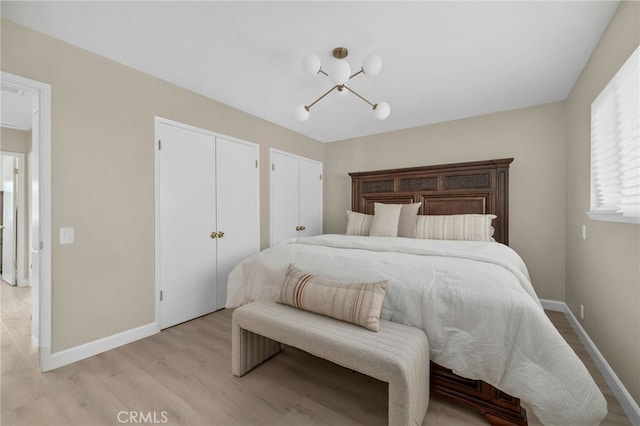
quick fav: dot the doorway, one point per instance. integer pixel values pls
(37, 188)
(14, 214)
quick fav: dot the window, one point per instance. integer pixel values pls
(615, 147)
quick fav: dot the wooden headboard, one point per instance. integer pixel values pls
(474, 187)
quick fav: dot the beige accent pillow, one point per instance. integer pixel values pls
(385, 220)
(407, 221)
(358, 223)
(357, 303)
(470, 227)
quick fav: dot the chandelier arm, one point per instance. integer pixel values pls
(359, 72)
(352, 91)
(321, 71)
(325, 94)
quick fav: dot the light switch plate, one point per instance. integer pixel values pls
(66, 236)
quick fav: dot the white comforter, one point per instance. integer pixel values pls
(474, 300)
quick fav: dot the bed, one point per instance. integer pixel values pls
(491, 343)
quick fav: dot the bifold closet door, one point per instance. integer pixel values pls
(187, 217)
(295, 197)
(285, 197)
(238, 209)
(310, 198)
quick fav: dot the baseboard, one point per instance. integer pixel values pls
(629, 405)
(77, 353)
(554, 305)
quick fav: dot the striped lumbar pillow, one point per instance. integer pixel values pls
(358, 223)
(470, 227)
(358, 303)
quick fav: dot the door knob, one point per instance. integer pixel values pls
(220, 234)
(302, 228)
(213, 234)
(297, 228)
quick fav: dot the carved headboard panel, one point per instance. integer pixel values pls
(474, 187)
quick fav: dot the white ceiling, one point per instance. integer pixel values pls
(441, 60)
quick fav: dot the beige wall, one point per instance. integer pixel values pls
(13, 140)
(103, 177)
(603, 271)
(534, 137)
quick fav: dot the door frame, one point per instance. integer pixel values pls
(42, 314)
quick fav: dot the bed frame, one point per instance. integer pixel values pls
(474, 187)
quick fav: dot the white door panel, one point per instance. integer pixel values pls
(238, 196)
(310, 197)
(186, 219)
(296, 197)
(284, 197)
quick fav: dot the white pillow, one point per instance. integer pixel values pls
(470, 227)
(358, 223)
(385, 220)
(407, 221)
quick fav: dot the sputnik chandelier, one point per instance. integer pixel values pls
(339, 72)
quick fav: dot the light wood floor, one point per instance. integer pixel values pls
(182, 376)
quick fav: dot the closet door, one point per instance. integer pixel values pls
(284, 197)
(186, 219)
(310, 197)
(295, 197)
(238, 209)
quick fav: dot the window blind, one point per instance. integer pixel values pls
(615, 146)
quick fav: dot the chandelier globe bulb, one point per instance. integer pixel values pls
(372, 65)
(311, 64)
(339, 71)
(382, 110)
(302, 114)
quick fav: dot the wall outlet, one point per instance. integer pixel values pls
(581, 312)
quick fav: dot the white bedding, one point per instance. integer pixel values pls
(473, 299)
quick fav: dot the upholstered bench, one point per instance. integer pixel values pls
(397, 354)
